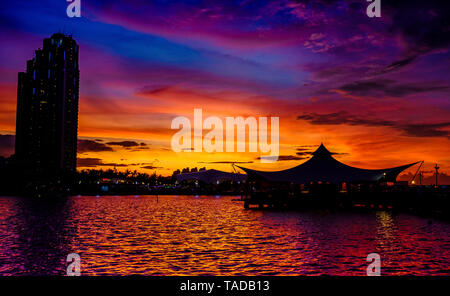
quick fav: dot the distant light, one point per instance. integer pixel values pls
(413, 182)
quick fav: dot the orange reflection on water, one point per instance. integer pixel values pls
(208, 235)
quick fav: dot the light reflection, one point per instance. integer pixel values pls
(185, 235)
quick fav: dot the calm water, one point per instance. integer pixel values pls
(210, 235)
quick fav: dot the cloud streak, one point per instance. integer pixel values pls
(408, 129)
(391, 88)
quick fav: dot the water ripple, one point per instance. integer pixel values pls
(182, 235)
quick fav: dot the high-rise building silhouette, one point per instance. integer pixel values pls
(47, 106)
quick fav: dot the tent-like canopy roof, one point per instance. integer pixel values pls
(210, 176)
(323, 167)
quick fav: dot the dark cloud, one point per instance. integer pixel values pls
(112, 164)
(307, 152)
(340, 118)
(125, 144)
(289, 157)
(390, 87)
(282, 157)
(155, 90)
(408, 129)
(308, 148)
(130, 145)
(303, 153)
(151, 167)
(7, 145)
(84, 146)
(424, 26)
(92, 146)
(88, 162)
(426, 130)
(325, 71)
(225, 162)
(399, 64)
(94, 162)
(303, 150)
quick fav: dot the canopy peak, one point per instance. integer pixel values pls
(322, 151)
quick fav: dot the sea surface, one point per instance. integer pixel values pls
(211, 235)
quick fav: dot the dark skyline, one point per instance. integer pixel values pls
(47, 106)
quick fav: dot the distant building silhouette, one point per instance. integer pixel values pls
(47, 106)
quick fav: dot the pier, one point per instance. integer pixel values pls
(324, 183)
(428, 201)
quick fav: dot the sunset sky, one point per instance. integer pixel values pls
(373, 90)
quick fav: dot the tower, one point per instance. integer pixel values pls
(47, 107)
(437, 173)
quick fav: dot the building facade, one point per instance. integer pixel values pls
(47, 106)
